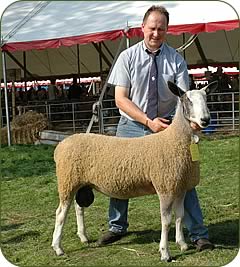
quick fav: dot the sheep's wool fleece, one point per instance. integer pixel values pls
(126, 167)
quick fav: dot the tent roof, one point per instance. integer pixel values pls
(38, 26)
(51, 24)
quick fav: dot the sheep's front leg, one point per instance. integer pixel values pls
(61, 214)
(81, 232)
(166, 217)
(179, 212)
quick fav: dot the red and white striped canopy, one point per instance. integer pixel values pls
(51, 24)
(39, 26)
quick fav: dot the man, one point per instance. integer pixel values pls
(223, 79)
(52, 90)
(133, 79)
(74, 90)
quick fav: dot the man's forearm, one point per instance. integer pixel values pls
(132, 110)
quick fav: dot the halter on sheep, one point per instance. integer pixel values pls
(127, 172)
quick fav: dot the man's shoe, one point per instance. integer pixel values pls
(203, 243)
(109, 237)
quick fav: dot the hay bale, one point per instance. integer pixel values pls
(25, 128)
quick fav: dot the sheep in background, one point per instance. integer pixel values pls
(123, 168)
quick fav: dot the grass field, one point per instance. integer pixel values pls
(29, 200)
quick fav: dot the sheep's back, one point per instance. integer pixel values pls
(110, 164)
(119, 166)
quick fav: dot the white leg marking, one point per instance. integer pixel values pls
(166, 217)
(179, 212)
(81, 231)
(61, 214)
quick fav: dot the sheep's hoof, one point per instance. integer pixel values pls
(184, 247)
(83, 238)
(59, 251)
(85, 241)
(166, 259)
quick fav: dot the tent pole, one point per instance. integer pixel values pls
(187, 43)
(114, 61)
(100, 59)
(184, 40)
(6, 97)
(201, 52)
(98, 105)
(18, 63)
(127, 42)
(104, 57)
(127, 39)
(109, 52)
(13, 100)
(24, 70)
(78, 61)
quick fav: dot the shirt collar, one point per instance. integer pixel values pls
(149, 52)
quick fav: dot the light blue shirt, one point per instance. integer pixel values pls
(132, 70)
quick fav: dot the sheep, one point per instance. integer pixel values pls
(123, 167)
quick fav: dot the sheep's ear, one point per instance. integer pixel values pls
(211, 87)
(175, 89)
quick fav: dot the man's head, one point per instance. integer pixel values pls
(155, 26)
(219, 70)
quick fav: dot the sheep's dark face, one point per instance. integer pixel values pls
(195, 104)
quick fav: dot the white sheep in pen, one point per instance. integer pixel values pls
(123, 167)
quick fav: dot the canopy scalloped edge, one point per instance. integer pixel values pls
(112, 35)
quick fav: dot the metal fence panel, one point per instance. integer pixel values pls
(76, 116)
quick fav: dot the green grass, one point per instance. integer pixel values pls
(29, 200)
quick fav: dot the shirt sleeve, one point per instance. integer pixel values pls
(182, 77)
(120, 75)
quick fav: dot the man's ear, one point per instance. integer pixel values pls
(142, 27)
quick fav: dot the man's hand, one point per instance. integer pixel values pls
(158, 124)
(195, 126)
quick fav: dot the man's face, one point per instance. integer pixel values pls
(154, 30)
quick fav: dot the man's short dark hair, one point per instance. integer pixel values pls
(160, 9)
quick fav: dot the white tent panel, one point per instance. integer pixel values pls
(44, 21)
(73, 18)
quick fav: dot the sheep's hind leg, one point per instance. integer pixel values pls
(81, 231)
(61, 214)
(179, 212)
(166, 217)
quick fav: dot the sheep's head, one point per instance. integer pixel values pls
(194, 104)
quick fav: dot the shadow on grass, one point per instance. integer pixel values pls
(11, 226)
(20, 238)
(223, 234)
